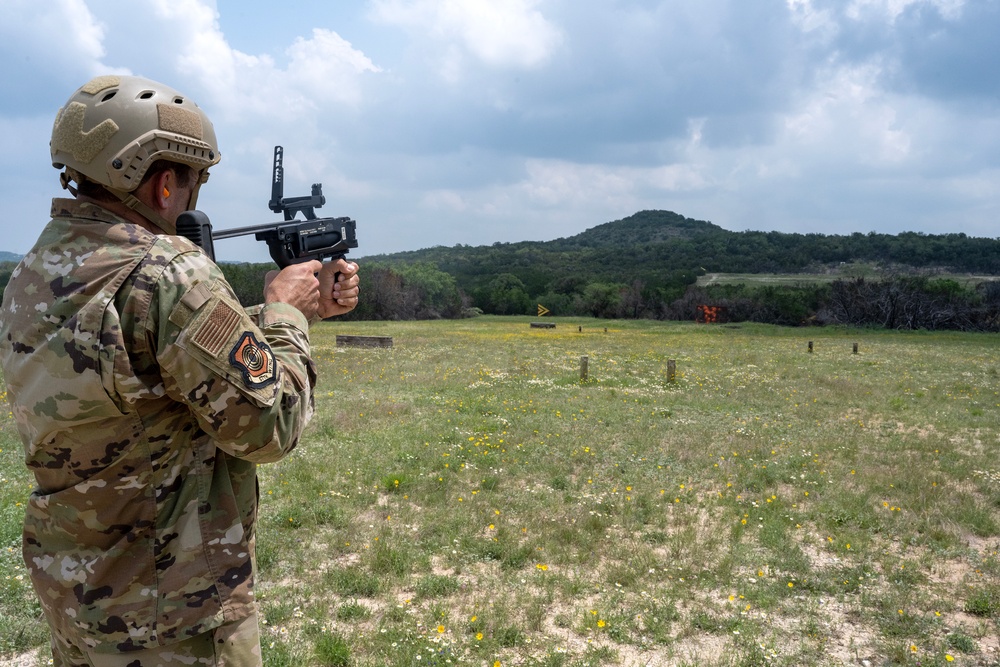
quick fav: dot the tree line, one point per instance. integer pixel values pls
(892, 300)
(647, 266)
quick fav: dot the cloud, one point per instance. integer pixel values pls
(622, 78)
(553, 183)
(848, 120)
(890, 10)
(473, 121)
(321, 70)
(327, 68)
(42, 42)
(950, 54)
(941, 49)
(498, 33)
(753, 115)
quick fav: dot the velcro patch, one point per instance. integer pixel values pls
(99, 83)
(218, 327)
(197, 296)
(254, 360)
(69, 136)
(180, 120)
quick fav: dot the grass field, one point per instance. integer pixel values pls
(464, 498)
(778, 279)
(846, 272)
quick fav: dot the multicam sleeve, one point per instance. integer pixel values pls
(248, 380)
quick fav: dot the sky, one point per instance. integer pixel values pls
(444, 122)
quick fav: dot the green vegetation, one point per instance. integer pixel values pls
(463, 496)
(661, 265)
(642, 265)
(6, 269)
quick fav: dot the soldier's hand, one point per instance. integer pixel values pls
(297, 285)
(338, 288)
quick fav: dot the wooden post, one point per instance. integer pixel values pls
(810, 347)
(584, 362)
(671, 370)
(581, 328)
(855, 348)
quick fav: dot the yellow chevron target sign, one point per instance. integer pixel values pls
(542, 310)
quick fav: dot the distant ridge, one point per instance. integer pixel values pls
(665, 250)
(9, 256)
(644, 227)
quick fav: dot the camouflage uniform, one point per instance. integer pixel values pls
(234, 644)
(145, 396)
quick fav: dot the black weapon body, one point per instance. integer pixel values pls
(295, 241)
(290, 241)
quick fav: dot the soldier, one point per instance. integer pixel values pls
(146, 395)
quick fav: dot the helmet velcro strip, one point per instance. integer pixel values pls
(68, 134)
(180, 120)
(99, 83)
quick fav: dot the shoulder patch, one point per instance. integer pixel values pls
(254, 360)
(217, 328)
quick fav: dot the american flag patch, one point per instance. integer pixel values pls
(217, 329)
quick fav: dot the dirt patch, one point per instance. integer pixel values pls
(29, 659)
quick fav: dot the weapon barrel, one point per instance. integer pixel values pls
(243, 231)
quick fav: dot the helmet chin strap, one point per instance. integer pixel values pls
(202, 179)
(144, 210)
(65, 178)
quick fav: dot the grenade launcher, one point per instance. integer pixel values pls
(290, 241)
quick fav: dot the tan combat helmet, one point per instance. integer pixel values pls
(114, 127)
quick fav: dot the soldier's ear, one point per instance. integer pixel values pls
(161, 186)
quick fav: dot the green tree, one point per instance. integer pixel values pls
(602, 299)
(506, 296)
(247, 280)
(435, 292)
(383, 296)
(6, 270)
